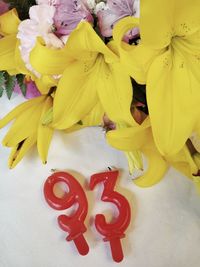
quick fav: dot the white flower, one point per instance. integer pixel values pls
(47, 2)
(91, 4)
(39, 24)
(100, 6)
(136, 6)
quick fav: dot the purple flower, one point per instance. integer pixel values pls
(31, 89)
(68, 14)
(113, 11)
(3, 7)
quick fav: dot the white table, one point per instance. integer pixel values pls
(165, 228)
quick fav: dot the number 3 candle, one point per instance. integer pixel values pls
(113, 232)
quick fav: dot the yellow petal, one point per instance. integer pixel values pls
(131, 138)
(157, 167)
(9, 22)
(18, 152)
(44, 133)
(49, 61)
(186, 18)
(134, 160)
(160, 20)
(25, 125)
(74, 128)
(76, 93)
(13, 114)
(196, 158)
(44, 83)
(85, 44)
(196, 179)
(135, 59)
(47, 118)
(122, 26)
(115, 93)
(183, 162)
(173, 99)
(156, 22)
(140, 138)
(7, 52)
(94, 118)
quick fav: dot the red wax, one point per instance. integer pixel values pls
(73, 224)
(112, 232)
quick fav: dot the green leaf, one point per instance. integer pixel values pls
(2, 83)
(1, 91)
(2, 79)
(9, 84)
(22, 85)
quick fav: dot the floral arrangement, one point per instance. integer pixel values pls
(130, 66)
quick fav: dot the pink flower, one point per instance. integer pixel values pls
(31, 89)
(3, 7)
(115, 10)
(68, 14)
(39, 24)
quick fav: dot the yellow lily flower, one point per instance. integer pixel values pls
(10, 57)
(94, 118)
(8, 28)
(90, 71)
(184, 162)
(9, 23)
(140, 138)
(167, 61)
(27, 129)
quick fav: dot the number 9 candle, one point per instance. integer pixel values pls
(73, 224)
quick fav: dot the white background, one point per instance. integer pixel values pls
(165, 226)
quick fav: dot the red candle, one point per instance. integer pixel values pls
(112, 232)
(73, 224)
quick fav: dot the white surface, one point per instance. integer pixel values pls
(165, 228)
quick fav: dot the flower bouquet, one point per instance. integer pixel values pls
(130, 67)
